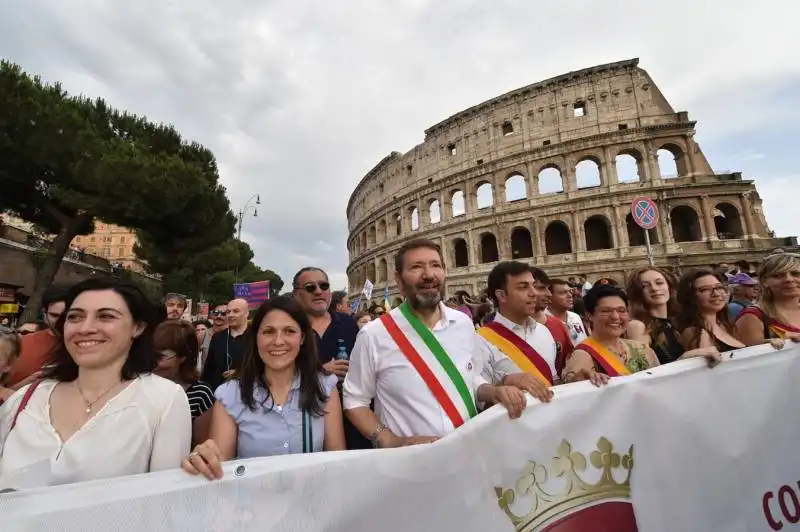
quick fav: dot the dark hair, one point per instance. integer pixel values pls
(54, 294)
(336, 298)
(411, 245)
(142, 358)
(554, 282)
(578, 307)
(498, 277)
(540, 275)
(177, 335)
(205, 323)
(252, 369)
(689, 315)
(305, 269)
(602, 291)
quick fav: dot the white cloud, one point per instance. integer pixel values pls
(750, 155)
(780, 208)
(299, 99)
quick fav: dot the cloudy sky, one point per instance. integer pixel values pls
(298, 99)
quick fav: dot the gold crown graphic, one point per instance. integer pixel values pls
(574, 492)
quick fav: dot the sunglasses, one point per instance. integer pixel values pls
(217, 314)
(312, 287)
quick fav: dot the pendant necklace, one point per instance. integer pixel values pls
(89, 404)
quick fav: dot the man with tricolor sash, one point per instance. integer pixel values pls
(513, 338)
(421, 362)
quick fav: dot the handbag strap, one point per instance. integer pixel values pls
(308, 440)
(25, 399)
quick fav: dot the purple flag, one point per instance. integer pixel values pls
(254, 293)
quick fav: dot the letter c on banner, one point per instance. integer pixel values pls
(773, 524)
(790, 511)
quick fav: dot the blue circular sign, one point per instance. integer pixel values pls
(644, 212)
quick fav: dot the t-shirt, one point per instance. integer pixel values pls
(35, 353)
(201, 398)
(575, 327)
(225, 352)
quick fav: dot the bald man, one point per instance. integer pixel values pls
(226, 348)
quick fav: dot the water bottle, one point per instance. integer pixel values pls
(341, 351)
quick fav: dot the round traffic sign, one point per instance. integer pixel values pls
(644, 212)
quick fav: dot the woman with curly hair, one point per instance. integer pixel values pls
(654, 310)
(704, 320)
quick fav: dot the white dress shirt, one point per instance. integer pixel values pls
(145, 427)
(535, 335)
(403, 402)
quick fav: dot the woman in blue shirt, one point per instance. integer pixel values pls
(279, 403)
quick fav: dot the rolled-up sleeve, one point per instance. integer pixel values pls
(495, 364)
(361, 380)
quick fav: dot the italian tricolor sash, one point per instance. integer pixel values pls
(433, 364)
(610, 362)
(518, 350)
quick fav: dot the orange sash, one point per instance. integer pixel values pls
(610, 362)
(518, 350)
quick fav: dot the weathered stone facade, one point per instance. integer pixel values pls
(554, 130)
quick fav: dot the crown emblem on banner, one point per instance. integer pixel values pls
(573, 491)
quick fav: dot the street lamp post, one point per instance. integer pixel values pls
(240, 218)
(244, 210)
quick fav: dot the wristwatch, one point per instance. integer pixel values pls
(376, 433)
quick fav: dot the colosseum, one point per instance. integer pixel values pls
(547, 174)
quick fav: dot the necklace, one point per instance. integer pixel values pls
(89, 404)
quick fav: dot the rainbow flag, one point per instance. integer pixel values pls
(254, 293)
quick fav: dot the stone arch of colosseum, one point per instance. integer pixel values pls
(547, 174)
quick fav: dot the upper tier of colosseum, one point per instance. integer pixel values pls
(552, 117)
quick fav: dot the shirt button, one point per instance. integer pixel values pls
(286, 445)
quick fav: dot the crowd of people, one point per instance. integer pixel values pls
(110, 385)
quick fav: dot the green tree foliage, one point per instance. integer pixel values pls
(66, 161)
(210, 275)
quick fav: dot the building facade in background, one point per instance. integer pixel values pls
(113, 243)
(547, 174)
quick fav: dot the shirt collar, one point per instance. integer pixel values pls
(530, 323)
(296, 382)
(449, 316)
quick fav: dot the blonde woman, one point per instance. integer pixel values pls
(777, 313)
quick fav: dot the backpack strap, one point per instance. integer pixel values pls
(308, 439)
(25, 399)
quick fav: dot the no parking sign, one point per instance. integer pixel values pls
(644, 212)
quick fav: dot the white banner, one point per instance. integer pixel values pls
(679, 448)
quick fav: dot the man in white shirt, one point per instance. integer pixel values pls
(421, 362)
(513, 336)
(561, 303)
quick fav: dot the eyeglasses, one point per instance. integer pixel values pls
(218, 313)
(722, 289)
(312, 287)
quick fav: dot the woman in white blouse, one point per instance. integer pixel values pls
(99, 412)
